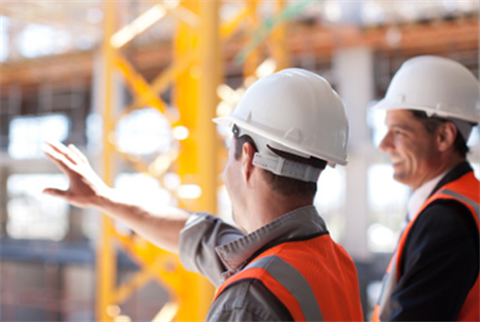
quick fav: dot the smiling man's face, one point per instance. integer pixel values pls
(411, 147)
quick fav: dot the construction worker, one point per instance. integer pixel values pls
(431, 105)
(282, 264)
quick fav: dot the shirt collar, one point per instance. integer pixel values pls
(301, 222)
(421, 195)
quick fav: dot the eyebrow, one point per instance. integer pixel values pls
(400, 126)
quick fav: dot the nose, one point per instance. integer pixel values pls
(386, 143)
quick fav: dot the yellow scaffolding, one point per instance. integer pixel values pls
(196, 74)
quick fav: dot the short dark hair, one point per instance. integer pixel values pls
(283, 185)
(431, 124)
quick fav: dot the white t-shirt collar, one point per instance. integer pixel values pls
(421, 195)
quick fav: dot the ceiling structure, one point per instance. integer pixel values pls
(69, 26)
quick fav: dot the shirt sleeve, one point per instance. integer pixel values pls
(248, 300)
(198, 239)
(440, 264)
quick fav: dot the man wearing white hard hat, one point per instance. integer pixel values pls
(282, 264)
(431, 105)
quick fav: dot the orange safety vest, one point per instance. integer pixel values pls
(315, 279)
(466, 190)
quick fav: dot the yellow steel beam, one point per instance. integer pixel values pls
(278, 40)
(162, 266)
(186, 99)
(161, 82)
(137, 26)
(195, 96)
(139, 84)
(254, 57)
(137, 281)
(149, 18)
(105, 256)
(229, 27)
(140, 278)
(186, 16)
(209, 53)
(185, 92)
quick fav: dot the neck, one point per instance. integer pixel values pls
(445, 164)
(262, 210)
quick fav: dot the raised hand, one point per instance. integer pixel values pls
(160, 226)
(86, 188)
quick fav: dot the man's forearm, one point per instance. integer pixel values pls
(160, 226)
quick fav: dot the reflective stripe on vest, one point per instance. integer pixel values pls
(389, 283)
(469, 185)
(294, 282)
(301, 301)
(473, 204)
(314, 279)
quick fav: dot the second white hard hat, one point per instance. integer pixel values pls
(297, 110)
(438, 86)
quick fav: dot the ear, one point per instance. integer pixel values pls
(248, 152)
(446, 135)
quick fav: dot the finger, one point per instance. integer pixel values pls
(55, 192)
(78, 153)
(55, 155)
(65, 165)
(55, 145)
(62, 149)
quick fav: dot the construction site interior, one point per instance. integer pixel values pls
(135, 84)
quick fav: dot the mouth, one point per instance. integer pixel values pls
(396, 163)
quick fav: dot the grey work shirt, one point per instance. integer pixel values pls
(217, 250)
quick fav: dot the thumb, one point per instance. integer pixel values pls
(55, 192)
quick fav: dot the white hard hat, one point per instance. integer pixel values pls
(438, 86)
(298, 112)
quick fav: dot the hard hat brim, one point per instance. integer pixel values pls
(230, 120)
(386, 105)
(223, 120)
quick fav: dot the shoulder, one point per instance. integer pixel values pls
(248, 300)
(447, 229)
(444, 220)
(446, 216)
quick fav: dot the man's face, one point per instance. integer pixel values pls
(411, 148)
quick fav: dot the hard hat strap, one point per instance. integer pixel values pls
(286, 168)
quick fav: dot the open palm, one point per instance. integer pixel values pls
(86, 188)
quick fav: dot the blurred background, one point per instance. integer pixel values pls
(135, 84)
